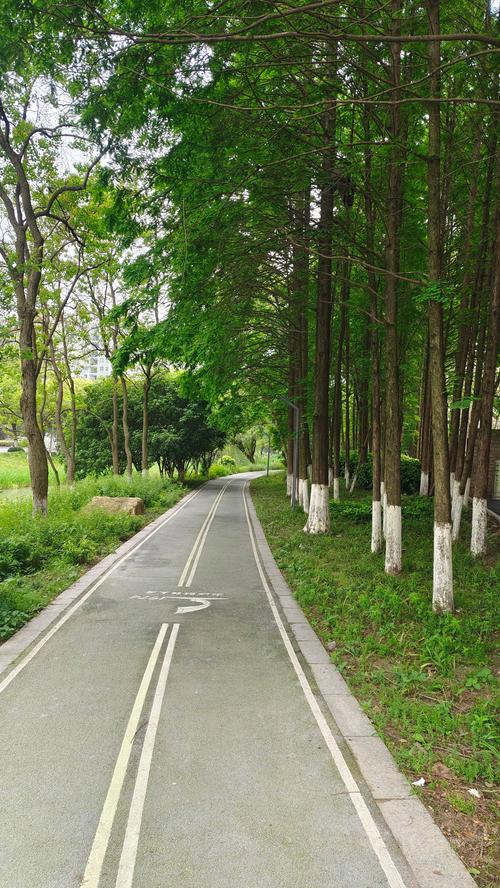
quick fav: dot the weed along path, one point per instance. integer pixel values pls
(165, 732)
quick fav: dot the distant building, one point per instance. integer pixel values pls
(95, 366)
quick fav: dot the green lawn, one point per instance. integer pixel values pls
(427, 682)
(39, 557)
(14, 470)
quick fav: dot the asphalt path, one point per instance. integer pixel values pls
(167, 736)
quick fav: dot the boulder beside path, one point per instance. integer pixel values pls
(132, 505)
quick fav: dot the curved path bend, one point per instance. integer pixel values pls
(168, 735)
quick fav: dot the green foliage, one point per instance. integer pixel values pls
(182, 431)
(410, 474)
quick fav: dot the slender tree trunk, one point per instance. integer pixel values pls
(61, 437)
(292, 382)
(145, 425)
(318, 520)
(392, 511)
(442, 588)
(42, 422)
(74, 414)
(465, 320)
(482, 458)
(347, 448)
(126, 430)
(337, 388)
(115, 454)
(37, 455)
(472, 429)
(425, 427)
(301, 259)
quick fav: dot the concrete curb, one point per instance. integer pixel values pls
(430, 857)
(18, 644)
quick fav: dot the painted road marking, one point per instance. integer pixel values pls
(131, 841)
(201, 603)
(189, 571)
(101, 840)
(386, 862)
(69, 613)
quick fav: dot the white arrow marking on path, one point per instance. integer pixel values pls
(204, 603)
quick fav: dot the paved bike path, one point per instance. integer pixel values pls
(226, 779)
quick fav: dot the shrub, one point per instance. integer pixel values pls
(410, 473)
(227, 461)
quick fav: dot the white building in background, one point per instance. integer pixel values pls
(95, 366)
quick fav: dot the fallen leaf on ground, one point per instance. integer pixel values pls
(440, 770)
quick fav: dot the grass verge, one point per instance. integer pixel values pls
(428, 683)
(39, 557)
(14, 471)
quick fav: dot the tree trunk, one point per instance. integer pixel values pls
(37, 455)
(115, 453)
(337, 388)
(74, 414)
(61, 437)
(482, 459)
(392, 511)
(472, 428)
(442, 587)
(301, 260)
(145, 426)
(347, 446)
(465, 320)
(318, 520)
(126, 430)
(424, 444)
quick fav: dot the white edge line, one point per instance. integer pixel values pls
(203, 540)
(69, 613)
(128, 857)
(199, 541)
(386, 862)
(101, 839)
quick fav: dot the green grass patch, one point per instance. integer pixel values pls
(428, 683)
(14, 471)
(39, 557)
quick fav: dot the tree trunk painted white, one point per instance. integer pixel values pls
(384, 514)
(424, 483)
(353, 482)
(145, 473)
(336, 489)
(467, 494)
(442, 581)
(289, 483)
(457, 517)
(454, 495)
(330, 477)
(376, 526)
(318, 519)
(452, 481)
(309, 471)
(40, 505)
(347, 476)
(392, 515)
(479, 524)
(304, 494)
